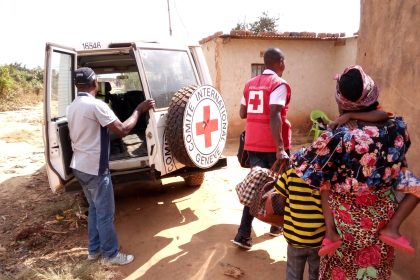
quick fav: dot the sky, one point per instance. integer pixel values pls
(26, 25)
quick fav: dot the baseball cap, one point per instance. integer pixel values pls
(84, 76)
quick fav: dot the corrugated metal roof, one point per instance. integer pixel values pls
(246, 34)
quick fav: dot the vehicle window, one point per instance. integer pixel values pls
(167, 71)
(62, 90)
(120, 82)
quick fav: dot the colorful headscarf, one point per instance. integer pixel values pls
(369, 95)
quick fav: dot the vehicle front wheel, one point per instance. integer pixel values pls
(194, 180)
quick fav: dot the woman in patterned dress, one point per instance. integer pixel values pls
(360, 167)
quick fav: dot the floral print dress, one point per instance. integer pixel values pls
(361, 168)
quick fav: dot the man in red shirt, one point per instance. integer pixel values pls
(264, 105)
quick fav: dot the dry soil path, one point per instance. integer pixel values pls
(175, 232)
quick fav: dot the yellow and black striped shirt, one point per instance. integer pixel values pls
(303, 219)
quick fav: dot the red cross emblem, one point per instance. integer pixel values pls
(255, 102)
(207, 126)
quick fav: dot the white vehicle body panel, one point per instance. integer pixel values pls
(57, 168)
(60, 92)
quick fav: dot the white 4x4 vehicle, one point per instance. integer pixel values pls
(184, 135)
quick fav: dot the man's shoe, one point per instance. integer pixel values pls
(120, 259)
(93, 256)
(275, 231)
(243, 242)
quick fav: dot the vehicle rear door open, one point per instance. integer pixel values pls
(60, 63)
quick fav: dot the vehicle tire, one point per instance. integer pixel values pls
(195, 180)
(174, 125)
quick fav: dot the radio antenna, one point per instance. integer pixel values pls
(169, 16)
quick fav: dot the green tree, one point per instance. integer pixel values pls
(241, 26)
(264, 23)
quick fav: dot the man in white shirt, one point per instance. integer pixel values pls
(89, 120)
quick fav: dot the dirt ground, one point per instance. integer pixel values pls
(174, 231)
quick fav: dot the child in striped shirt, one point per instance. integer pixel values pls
(303, 227)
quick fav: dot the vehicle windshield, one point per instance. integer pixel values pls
(167, 71)
(119, 82)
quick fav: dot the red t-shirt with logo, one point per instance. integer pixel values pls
(257, 93)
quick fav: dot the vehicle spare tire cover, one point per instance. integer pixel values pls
(196, 127)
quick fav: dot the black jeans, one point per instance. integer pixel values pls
(261, 159)
(264, 160)
(297, 259)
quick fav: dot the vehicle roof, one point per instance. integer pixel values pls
(114, 57)
(164, 44)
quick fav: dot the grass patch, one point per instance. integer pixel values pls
(84, 270)
(81, 271)
(20, 100)
(70, 204)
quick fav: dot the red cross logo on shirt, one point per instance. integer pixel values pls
(207, 126)
(255, 102)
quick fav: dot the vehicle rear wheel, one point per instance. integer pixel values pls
(194, 180)
(175, 125)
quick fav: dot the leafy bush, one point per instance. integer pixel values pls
(19, 86)
(5, 80)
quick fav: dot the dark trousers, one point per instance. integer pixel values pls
(297, 259)
(261, 159)
(264, 160)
